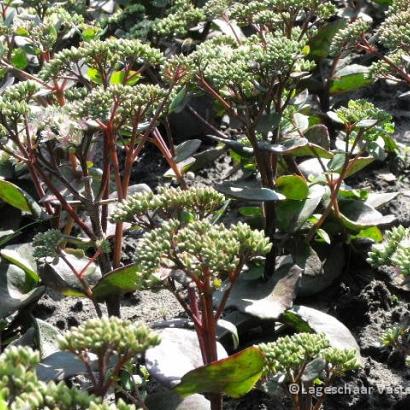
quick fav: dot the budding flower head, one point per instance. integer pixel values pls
(46, 244)
(199, 247)
(201, 201)
(114, 334)
(290, 354)
(347, 38)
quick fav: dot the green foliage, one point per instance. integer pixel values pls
(395, 335)
(290, 353)
(109, 335)
(394, 35)
(393, 251)
(182, 15)
(169, 202)
(14, 102)
(348, 37)
(102, 54)
(304, 357)
(46, 244)
(200, 247)
(21, 389)
(120, 103)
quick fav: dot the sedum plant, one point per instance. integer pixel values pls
(254, 79)
(393, 251)
(304, 364)
(397, 338)
(20, 388)
(189, 244)
(111, 340)
(307, 365)
(94, 101)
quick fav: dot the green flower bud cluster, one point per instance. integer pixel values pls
(46, 244)
(153, 250)
(381, 254)
(132, 19)
(128, 100)
(360, 110)
(183, 16)
(340, 361)
(394, 32)
(231, 68)
(14, 102)
(348, 37)
(380, 69)
(291, 353)
(21, 389)
(200, 246)
(270, 11)
(398, 5)
(104, 54)
(200, 201)
(43, 35)
(216, 8)
(109, 334)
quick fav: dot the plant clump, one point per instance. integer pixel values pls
(393, 251)
(20, 388)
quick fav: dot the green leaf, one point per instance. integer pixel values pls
(373, 233)
(21, 255)
(337, 162)
(323, 236)
(304, 318)
(301, 121)
(94, 75)
(234, 376)
(16, 289)
(249, 191)
(334, 117)
(263, 299)
(292, 186)
(357, 215)
(251, 211)
(357, 165)
(320, 43)
(299, 147)
(292, 214)
(186, 149)
(122, 280)
(16, 197)
(267, 123)
(350, 78)
(318, 135)
(47, 338)
(179, 101)
(378, 199)
(314, 369)
(19, 59)
(118, 77)
(60, 277)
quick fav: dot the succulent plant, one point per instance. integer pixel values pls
(386, 253)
